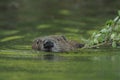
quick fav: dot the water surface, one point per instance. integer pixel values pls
(23, 20)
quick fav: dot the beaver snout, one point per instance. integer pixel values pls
(48, 45)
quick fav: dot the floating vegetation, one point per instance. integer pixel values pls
(108, 36)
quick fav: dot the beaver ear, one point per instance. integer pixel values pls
(39, 41)
(64, 38)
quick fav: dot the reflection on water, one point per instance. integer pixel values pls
(90, 55)
(52, 57)
(88, 66)
(49, 57)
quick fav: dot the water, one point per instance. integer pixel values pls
(22, 21)
(85, 65)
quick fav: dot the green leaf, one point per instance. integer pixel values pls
(116, 18)
(110, 22)
(93, 35)
(119, 36)
(95, 40)
(112, 36)
(98, 35)
(101, 38)
(114, 45)
(104, 30)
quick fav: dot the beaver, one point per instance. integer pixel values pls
(55, 43)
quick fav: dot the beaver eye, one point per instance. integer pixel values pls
(58, 39)
(37, 42)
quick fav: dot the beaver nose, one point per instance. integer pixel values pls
(48, 45)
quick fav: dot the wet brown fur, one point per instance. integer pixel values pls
(61, 44)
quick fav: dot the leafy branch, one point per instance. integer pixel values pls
(108, 36)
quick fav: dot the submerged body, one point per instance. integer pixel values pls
(55, 43)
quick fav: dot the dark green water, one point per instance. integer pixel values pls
(23, 20)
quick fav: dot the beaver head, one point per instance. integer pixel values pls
(55, 43)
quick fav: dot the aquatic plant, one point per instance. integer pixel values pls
(108, 36)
